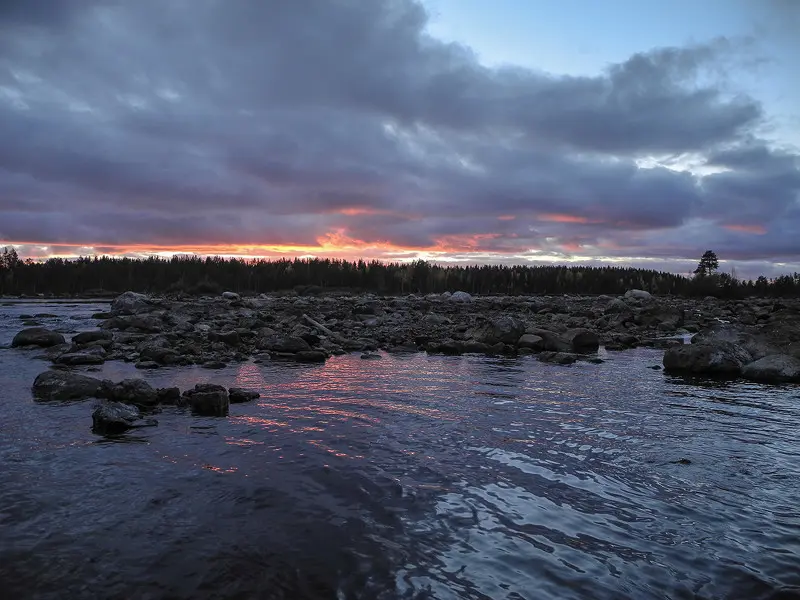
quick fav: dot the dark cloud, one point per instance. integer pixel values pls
(247, 122)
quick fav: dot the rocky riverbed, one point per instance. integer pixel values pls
(757, 339)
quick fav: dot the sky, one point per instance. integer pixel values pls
(636, 133)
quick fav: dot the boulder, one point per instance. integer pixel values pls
(582, 340)
(230, 296)
(87, 337)
(505, 329)
(279, 343)
(239, 395)
(530, 341)
(617, 306)
(435, 319)
(774, 368)
(460, 297)
(130, 391)
(170, 395)
(112, 418)
(130, 303)
(231, 338)
(37, 336)
(91, 356)
(208, 399)
(148, 323)
(638, 295)
(721, 358)
(63, 385)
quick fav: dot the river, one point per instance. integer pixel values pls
(409, 477)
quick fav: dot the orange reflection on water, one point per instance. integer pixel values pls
(220, 469)
(244, 442)
(329, 450)
(260, 421)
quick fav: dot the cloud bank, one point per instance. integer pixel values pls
(339, 127)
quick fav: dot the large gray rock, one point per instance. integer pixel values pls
(37, 336)
(130, 303)
(641, 295)
(530, 341)
(582, 340)
(208, 399)
(94, 355)
(62, 385)
(230, 296)
(617, 306)
(87, 337)
(775, 368)
(130, 391)
(503, 329)
(460, 297)
(111, 418)
(721, 358)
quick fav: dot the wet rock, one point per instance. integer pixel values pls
(370, 356)
(130, 303)
(239, 395)
(558, 358)
(310, 356)
(208, 399)
(231, 296)
(531, 342)
(63, 385)
(130, 391)
(288, 344)
(90, 356)
(214, 364)
(774, 368)
(87, 337)
(403, 349)
(170, 395)
(147, 364)
(101, 315)
(37, 336)
(113, 418)
(474, 347)
(581, 340)
(721, 358)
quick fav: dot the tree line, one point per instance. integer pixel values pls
(210, 275)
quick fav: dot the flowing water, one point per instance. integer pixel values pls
(409, 477)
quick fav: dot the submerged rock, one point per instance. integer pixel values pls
(208, 399)
(62, 385)
(239, 395)
(111, 418)
(775, 368)
(130, 391)
(559, 358)
(37, 336)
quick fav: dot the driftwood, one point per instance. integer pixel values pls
(322, 328)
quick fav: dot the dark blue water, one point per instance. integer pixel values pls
(409, 477)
